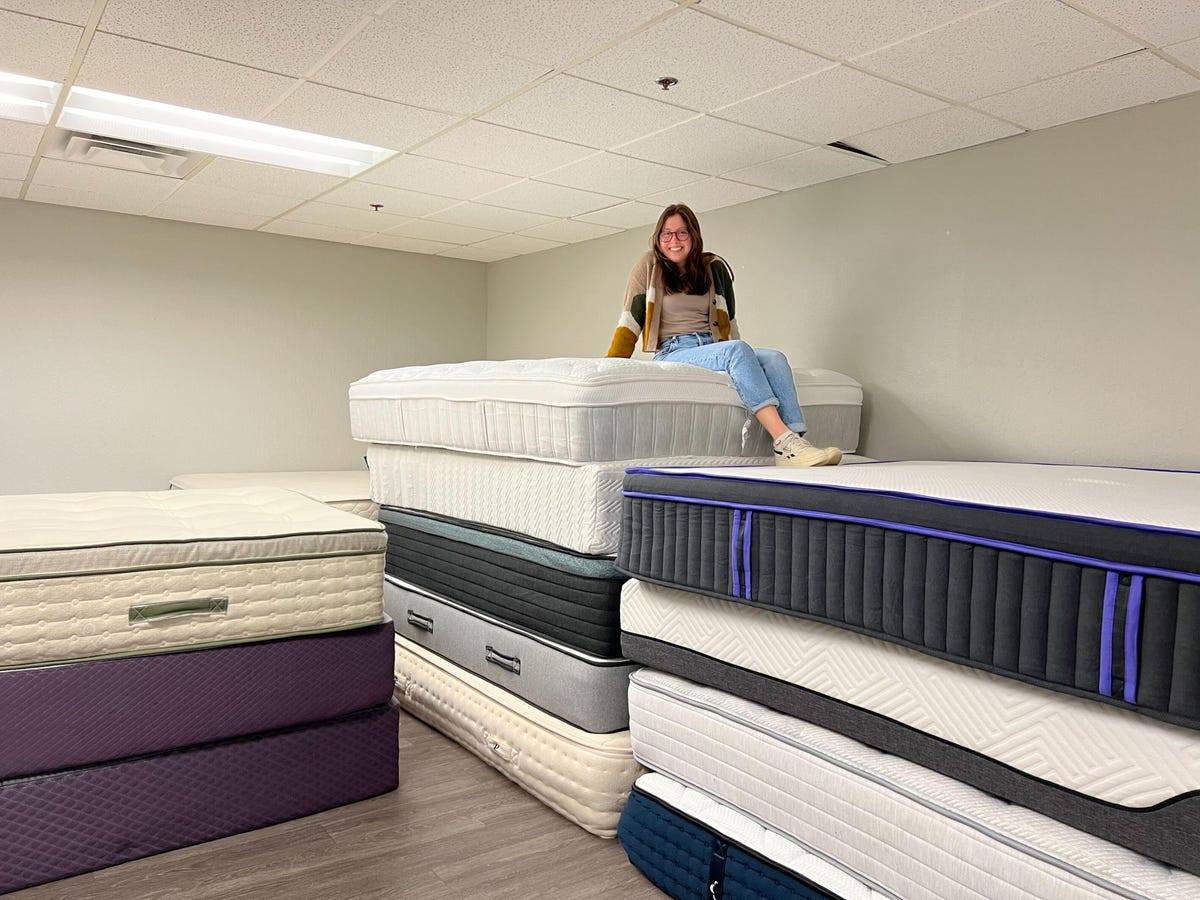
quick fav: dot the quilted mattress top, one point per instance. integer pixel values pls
(328, 487)
(43, 535)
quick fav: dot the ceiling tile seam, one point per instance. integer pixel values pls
(81, 50)
(1125, 32)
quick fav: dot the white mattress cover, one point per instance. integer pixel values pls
(736, 826)
(569, 409)
(348, 490)
(577, 507)
(1145, 497)
(1096, 749)
(910, 830)
(584, 777)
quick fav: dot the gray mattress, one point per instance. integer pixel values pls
(1078, 579)
(588, 691)
(569, 597)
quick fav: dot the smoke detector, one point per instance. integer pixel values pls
(116, 153)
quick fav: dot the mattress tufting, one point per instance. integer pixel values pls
(907, 829)
(347, 490)
(582, 776)
(98, 575)
(574, 409)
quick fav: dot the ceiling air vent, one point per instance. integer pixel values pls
(116, 153)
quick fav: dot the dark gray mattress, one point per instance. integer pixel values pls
(56, 717)
(552, 591)
(1093, 606)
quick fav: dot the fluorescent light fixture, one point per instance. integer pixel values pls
(149, 122)
(27, 99)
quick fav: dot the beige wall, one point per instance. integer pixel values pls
(1033, 299)
(134, 349)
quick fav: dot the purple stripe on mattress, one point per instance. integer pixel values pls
(746, 553)
(1133, 623)
(61, 824)
(1106, 633)
(733, 555)
(56, 717)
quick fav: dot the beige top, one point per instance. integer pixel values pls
(684, 314)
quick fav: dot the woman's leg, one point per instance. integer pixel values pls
(738, 360)
(778, 372)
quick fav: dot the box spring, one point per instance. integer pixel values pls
(1064, 756)
(1079, 579)
(910, 831)
(588, 691)
(691, 845)
(584, 777)
(566, 596)
(72, 821)
(87, 576)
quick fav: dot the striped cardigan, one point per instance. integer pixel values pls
(645, 291)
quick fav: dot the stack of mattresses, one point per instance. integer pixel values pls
(348, 489)
(946, 679)
(499, 485)
(179, 666)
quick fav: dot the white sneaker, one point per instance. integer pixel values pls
(794, 450)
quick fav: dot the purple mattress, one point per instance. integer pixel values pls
(57, 717)
(64, 823)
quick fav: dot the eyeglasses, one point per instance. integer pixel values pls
(666, 236)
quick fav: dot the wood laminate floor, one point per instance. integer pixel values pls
(455, 830)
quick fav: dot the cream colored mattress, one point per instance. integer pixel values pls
(84, 576)
(584, 777)
(348, 490)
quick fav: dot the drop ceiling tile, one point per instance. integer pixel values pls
(711, 194)
(549, 199)
(20, 137)
(65, 196)
(619, 176)
(135, 186)
(476, 254)
(14, 167)
(10, 188)
(479, 215)
(393, 62)
(394, 201)
(407, 244)
(569, 231)
(711, 146)
(516, 243)
(625, 215)
(551, 32)
(436, 176)
(1119, 83)
(366, 221)
(1007, 46)
(137, 69)
(362, 7)
(368, 120)
(429, 230)
(75, 12)
(947, 129)
(585, 113)
(706, 55)
(805, 168)
(491, 147)
(237, 175)
(831, 105)
(314, 231)
(1160, 22)
(202, 215)
(37, 48)
(192, 194)
(1188, 53)
(845, 28)
(285, 36)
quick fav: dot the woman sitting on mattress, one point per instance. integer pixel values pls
(680, 299)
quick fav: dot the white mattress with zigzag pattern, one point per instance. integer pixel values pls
(94, 575)
(912, 831)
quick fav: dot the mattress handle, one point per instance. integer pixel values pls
(501, 749)
(147, 613)
(416, 620)
(512, 663)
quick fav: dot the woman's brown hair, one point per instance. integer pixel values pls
(693, 276)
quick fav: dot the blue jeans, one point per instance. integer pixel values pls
(762, 377)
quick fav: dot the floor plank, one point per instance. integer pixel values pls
(455, 830)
